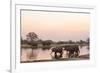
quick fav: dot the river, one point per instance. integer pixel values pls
(39, 54)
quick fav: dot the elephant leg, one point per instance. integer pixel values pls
(60, 54)
(72, 55)
(69, 55)
(77, 53)
(55, 54)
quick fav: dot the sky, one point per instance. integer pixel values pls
(56, 26)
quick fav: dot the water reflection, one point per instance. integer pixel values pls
(30, 54)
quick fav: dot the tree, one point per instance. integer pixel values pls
(32, 40)
(71, 42)
(31, 36)
(82, 42)
(60, 42)
(88, 40)
(23, 41)
(47, 42)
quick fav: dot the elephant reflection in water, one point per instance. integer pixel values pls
(58, 52)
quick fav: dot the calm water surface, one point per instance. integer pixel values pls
(39, 54)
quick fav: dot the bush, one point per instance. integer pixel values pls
(46, 47)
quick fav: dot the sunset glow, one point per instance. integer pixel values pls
(56, 26)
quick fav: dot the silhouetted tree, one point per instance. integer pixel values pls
(71, 42)
(47, 42)
(31, 36)
(60, 42)
(82, 42)
(32, 40)
(23, 41)
(88, 40)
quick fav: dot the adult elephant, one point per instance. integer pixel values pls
(72, 50)
(57, 50)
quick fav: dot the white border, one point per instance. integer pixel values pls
(16, 66)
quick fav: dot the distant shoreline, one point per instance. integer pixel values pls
(30, 46)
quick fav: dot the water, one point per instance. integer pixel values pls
(39, 54)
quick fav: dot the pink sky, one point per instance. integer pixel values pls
(56, 26)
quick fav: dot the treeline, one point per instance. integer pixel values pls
(33, 40)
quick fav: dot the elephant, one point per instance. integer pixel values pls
(57, 50)
(72, 50)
